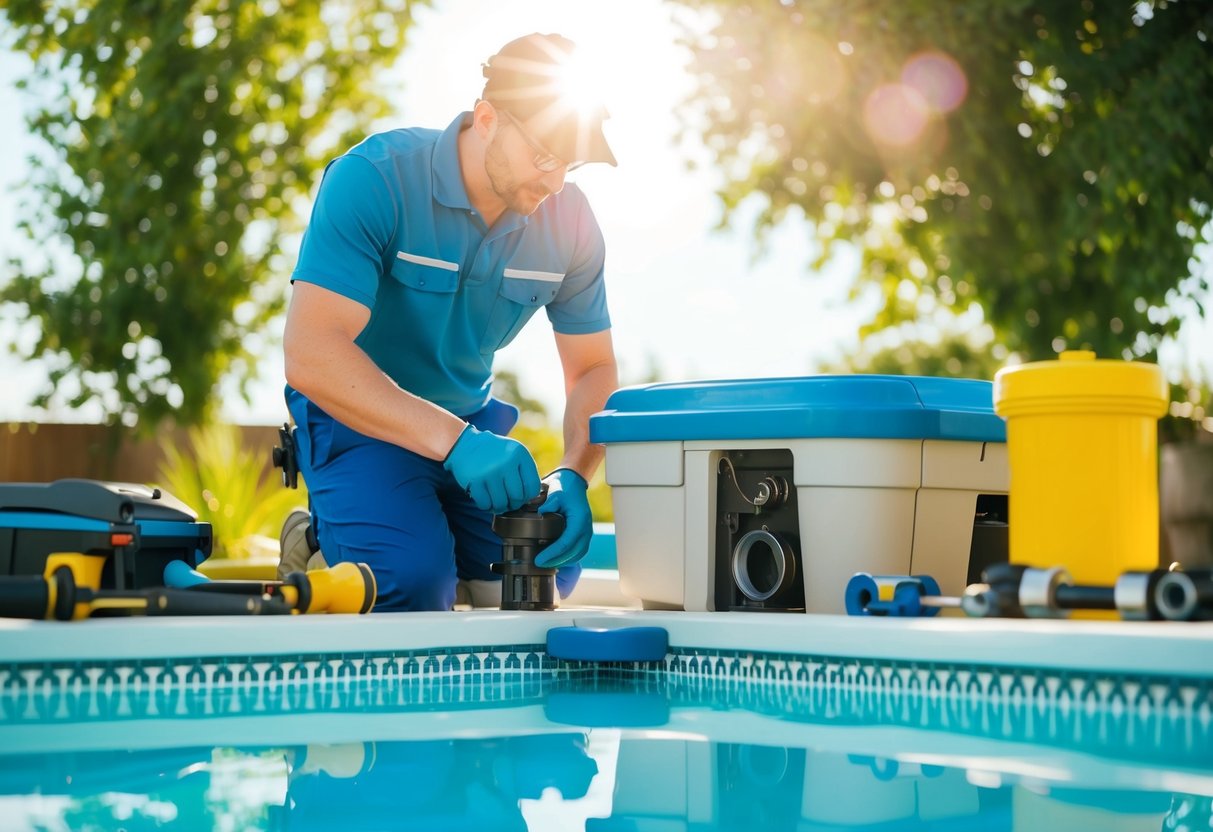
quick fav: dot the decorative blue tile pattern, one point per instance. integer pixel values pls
(235, 685)
(1110, 712)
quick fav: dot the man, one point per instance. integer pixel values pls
(427, 252)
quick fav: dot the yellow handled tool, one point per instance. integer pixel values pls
(63, 593)
(68, 590)
(342, 588)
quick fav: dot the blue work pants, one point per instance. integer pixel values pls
(398, 512)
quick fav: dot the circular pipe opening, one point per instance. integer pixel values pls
(762, 565)
(1175, 596)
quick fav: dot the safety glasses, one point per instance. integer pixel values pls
(542, 160)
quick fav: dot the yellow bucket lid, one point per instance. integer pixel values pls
(1078, 382)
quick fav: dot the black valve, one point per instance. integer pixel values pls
(524, 533)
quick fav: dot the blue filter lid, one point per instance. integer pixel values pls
(806, 407)
(600, 644)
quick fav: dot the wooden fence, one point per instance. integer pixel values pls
(32, 452)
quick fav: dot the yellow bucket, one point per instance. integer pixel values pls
(1082, 442)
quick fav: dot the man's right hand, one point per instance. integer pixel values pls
(496, 472)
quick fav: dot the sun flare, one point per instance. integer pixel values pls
(578, 85)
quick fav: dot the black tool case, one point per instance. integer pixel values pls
(139, 528)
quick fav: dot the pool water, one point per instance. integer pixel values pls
(538, 745)
(602, 779)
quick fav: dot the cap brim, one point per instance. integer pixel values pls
(600, 151)
(578, 140)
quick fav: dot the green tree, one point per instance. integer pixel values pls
(184, 136)
(1049, 161)
(955, 356)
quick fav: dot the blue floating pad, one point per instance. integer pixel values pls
(595, 644)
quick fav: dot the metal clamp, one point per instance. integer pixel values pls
(1038, 592)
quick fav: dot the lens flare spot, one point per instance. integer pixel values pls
(895, 115)
(938, 78)
(577, 81)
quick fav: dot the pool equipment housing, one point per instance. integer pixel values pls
(769, 494)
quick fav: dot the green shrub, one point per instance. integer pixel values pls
(230, 488)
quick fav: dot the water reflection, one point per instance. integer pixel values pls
(657, 781)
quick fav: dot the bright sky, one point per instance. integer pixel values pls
(688, 299)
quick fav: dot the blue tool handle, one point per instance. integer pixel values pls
(861, 592)
(906, 600)
(863, 595)
(178, 575)
(929, 588)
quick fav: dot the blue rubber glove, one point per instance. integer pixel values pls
(497, 473)
(567, 496)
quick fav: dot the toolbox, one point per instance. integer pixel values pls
(140, 529)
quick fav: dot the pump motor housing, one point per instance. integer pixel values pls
(768, 494)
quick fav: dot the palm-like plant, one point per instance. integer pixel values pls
(230, 488)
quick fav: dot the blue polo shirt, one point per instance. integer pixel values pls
(393, 229)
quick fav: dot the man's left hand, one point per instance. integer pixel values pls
(567, 496)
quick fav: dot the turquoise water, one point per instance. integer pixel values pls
(596, 780)
(539, 745)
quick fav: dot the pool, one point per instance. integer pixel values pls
(464, 721)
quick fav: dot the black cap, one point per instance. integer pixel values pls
(524, 79)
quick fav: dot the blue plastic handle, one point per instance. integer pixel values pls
(862, 595)
(178, 575)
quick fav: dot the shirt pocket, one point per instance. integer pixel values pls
(521, 293)
(425, 274)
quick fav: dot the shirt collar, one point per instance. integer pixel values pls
(448, 180)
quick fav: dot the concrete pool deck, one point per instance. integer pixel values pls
(1122, 648)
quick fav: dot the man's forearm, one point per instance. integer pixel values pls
(346, 384)
(324, 363)
(586, 397)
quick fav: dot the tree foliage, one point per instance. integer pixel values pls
(185, 136)
(1048, 160)
(955, 355)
